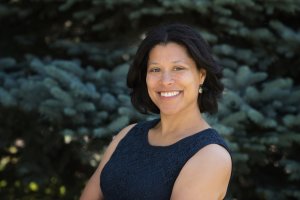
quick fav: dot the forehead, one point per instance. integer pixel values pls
(170, 51)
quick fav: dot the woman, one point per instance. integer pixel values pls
(178, 156)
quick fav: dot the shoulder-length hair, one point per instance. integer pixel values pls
(197, 49)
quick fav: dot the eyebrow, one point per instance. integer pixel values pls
(176, 61)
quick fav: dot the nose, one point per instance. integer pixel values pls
(167, 78)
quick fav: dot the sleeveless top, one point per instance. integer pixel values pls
(138, 170)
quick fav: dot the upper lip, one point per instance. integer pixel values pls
(173, 92)
(170, 91)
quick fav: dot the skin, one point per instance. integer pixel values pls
(170, 69)
(173, 81)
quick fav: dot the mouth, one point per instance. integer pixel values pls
(169, 94)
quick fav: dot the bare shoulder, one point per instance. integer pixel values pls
(213, 154)
(205, 176)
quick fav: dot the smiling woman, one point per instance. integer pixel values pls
(177, 156)
(173, 79)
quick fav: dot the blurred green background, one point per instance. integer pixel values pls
(63, 67)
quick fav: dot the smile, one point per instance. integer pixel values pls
(169, 94)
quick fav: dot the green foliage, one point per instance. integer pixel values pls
(66, 93)
(66, 106)
(263, 116)
(63, 68)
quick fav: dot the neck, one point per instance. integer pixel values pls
(181, 124)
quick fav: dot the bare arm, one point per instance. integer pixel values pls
(205, 176)
(92, 190)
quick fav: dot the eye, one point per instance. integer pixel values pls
(178, 68)
(154, 69)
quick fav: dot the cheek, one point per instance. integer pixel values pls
(150, 81)
(188, 79)
(192, 83)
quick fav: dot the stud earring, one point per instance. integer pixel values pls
(200, 89)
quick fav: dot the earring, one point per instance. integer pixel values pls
(200, 89)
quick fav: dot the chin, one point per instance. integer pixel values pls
(169, 111)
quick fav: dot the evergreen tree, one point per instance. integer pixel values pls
(63, 68)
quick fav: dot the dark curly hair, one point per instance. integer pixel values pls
(197, 49)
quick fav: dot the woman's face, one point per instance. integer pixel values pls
(173, 79)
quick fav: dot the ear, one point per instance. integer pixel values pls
(202, 75)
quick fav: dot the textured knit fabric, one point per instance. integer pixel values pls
(138, 170)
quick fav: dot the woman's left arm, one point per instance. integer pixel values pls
(205, 176)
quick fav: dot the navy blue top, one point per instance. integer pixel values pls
(138, 170)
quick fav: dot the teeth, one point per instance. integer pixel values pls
(169, 94)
